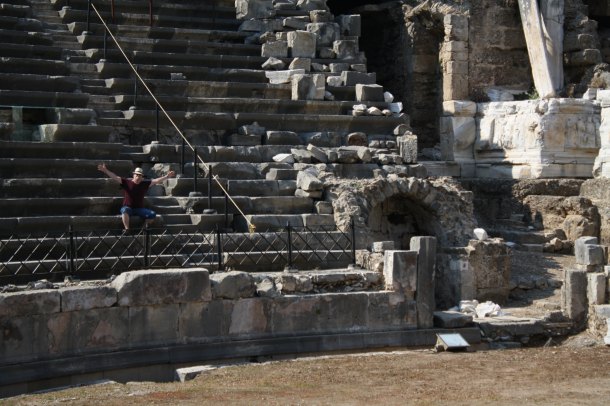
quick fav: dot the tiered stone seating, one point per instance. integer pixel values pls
(206, 73)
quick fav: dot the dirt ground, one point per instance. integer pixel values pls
(562, 375)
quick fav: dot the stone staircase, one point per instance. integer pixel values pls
(70, 104)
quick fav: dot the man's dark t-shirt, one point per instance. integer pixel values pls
(134, 193)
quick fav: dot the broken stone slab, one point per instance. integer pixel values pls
(282, 138)
(308, 182)
(369, 93)
(29, 303)
(284, 158)
(352, 78)
(346, 49)
(334, 81)
(317, 153)
(283, 76)
(251, 129)
(296, 23)
(302, 44)
(308, 87)
(190, 373)
(480, 234)
(301, 155)
(87, 297)
(167, 286)
(273, 64)
(322, 138)
(374, 111)
(324, 208)
(301, 63)
(326, 33)
(277, 49)
(400, 272)
(232, 285)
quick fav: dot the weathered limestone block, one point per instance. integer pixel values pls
(596, 288)
(141, 288)
(326, 33)
(549, 138)
(85, 298)
(346, 49)
(400, 272)
(458, 130)
(282, 138)
(586, 253)
(310, 5)
(407, 147)
(296, 23)
(426, 267)
(283, 76)
(574, 295)
(266, 25)
(317, 153)
(302, 44)
(320, 16)
(29, 303)
(253, 9)
(232, 285)
(456, 27)
(309, 182)
(248, 318)
(352, 78)
(273, 64)
(276, 49)
(308, 87)
(301, 63)
(350, 25)
(369, 93)
(153, 325)
(489, 262)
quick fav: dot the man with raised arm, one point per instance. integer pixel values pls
(134, 190)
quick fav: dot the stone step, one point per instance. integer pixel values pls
(20, 24)
(69, 15)
(60, 150)
(33, 66)
(268, 222)
(174, 46)
(18, 168)
(242, 105)
(192, 88)
(182, 186)
(145, 31)
(259, 154)
(31, 51)
(15, 10)
(201, 73)
(40, 83)
(142, 7)
(57, 187)
(519, 237)
(268, 261)
(277, 122)
(75, 132)
(177, 59)
(36, 98)
(24, 37)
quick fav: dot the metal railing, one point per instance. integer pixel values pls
(101, 253)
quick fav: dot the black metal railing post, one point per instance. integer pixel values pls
(219, 249)
(146, 246)
(105, 42)
(157, 121)
(289, 266)
(88, 14)
(71, 252)
(150, 12)
(182, 152)
(135, 87)
(195, 170)
(353, 227)
(226, 210)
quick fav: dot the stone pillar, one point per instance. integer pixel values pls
(601, 167)
(574, 296)
(400, 272)
(454, 58)
(426, 267)
(543, 29)
(458, 132)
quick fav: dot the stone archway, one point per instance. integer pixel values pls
(396, 208)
